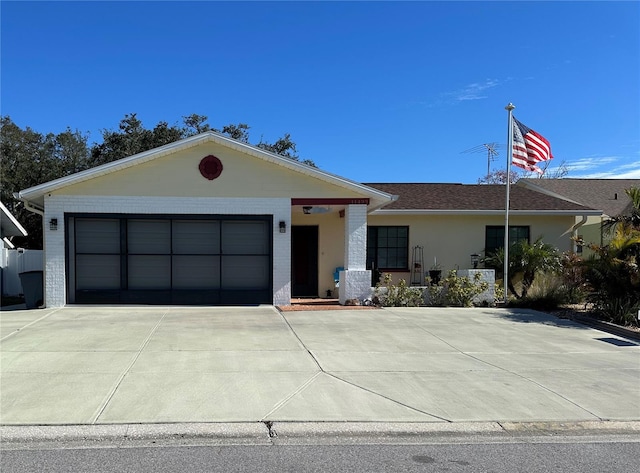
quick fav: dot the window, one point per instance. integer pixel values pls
(495, 237)
(388, 248)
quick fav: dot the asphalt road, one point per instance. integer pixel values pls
(605, 453)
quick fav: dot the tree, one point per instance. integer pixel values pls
(133, 138)
(499, 176)
(613, 271)
(238, 132)
(196, 124)
(30, 158)
(526, 260)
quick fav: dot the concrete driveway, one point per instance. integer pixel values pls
(106, 365)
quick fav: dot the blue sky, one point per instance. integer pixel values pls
(372, 91)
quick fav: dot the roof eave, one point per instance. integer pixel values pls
(10, 225)
(34, 194)
(588, 212)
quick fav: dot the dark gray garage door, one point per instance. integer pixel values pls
(178, 260)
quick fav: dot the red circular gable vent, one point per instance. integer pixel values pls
(210, 167)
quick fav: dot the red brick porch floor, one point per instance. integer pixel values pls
(319, 304)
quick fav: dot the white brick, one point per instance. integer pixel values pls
(58, 205)
(355, 249)
(354, 284)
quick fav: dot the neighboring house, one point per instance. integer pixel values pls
(607, 195)
(209, 220)
(451, 222)
(11, 260)
(9, 227)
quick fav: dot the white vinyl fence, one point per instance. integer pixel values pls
(14, 262)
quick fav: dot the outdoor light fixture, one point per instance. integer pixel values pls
(475, 259)
(53, 224)
(306, 210)
(283, 226)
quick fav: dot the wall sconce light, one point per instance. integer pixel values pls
(283, 226)
(53, 224)
(475, 259)
(306, 210)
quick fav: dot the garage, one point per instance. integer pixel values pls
(178, 259)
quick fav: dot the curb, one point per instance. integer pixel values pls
(259, 433)
(606, 327)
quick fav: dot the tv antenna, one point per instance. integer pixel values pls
(491, 150)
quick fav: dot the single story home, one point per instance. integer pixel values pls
(209, 220)
(607, 195)
(454, 222)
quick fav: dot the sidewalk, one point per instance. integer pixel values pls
(95, 366)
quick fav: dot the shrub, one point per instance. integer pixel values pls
(548, 292)
(454, 290)
(461, 291)
(574, 278)
(400, 295)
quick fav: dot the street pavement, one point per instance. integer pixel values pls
(442, 367)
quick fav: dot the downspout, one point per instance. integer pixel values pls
(574, 232)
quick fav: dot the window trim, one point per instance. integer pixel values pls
(512, 239)
(374, 229)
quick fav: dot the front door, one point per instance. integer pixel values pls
(304, 261)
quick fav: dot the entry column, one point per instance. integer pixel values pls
(355, 280)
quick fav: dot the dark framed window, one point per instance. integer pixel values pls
(494, 237)
(388, 248)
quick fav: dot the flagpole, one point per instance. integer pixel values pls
(509, 109)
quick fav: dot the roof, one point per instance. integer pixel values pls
(36, 194)
(9, 226)
(604, 194)
(474, 198)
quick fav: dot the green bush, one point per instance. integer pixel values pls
(400, 295)
(548, 292)
(621, 310)
(455, 291)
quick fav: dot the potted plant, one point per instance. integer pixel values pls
(435, 272)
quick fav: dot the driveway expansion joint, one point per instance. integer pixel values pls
(124, 373)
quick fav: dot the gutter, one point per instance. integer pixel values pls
(32, 208)
(583, 213)
(29, 206)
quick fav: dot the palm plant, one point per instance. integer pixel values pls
(526, 260)
(614, 269)
(630, 219)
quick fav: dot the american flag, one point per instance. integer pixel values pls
(529, 147)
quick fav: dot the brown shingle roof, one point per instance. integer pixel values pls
(475, 197)
(595, 193)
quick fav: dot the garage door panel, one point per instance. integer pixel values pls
(196, 272)
(97, 235)
(245, 272)
(98, 272)
(149, 236)
(149, 272)
(245, 237)
(196, 237)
